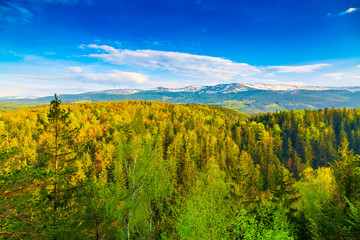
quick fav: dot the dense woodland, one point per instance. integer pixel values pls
(153, 170)
(7, 106)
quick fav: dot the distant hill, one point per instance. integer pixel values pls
(249, 98)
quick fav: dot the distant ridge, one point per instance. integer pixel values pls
(245, 97)
(229, 88)
(211, 89)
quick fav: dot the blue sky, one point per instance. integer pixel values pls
(74, 46)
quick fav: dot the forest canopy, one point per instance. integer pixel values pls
(154, 170)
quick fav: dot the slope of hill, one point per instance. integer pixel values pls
(248, 98)
(154, 170)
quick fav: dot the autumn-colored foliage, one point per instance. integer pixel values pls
(154, 170)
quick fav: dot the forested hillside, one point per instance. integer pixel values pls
(235, 95)
(154, 170)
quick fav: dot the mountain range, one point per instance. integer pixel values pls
(248, 98)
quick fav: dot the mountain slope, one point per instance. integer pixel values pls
(249, 98)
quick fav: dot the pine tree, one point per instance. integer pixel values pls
(56, 159)
(346, 172)
(247, 178)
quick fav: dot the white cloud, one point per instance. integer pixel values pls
(117, 77)
(337, 76)
(197, 66)
(74, 69)
(358, 66)
(299, 69)
(42, 90)
(42, 85)
(350, 10)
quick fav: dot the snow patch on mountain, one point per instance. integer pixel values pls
(230, 88)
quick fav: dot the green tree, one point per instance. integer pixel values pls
(56, 159)
(18, 208)
(136, 184)
(205, 213)
(346, 172)
(247, 178)
(269, 222)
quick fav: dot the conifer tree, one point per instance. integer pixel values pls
(346, 172)
(248, 178)
(56, 159)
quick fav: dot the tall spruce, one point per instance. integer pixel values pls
(56, 158)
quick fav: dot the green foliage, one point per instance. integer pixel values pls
(324, 201)
(269, 222)
(205, 213)
(56, 159)
(152, 170)
(346, 171)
